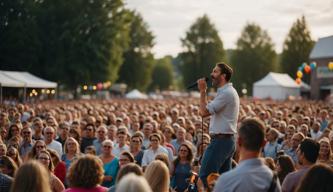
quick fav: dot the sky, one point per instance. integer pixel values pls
(170, 19)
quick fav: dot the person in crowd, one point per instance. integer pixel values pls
(121, 144)
(147, 131)
(8, 166)
(325, 152)
(164, 158)
(269, 162)
(90, 150)
(31, 176)
(5, 182)
(295, 142)
(63, 133)
(45, 158)
(27, 142)
(13, 153)
(124, 170)
(36, 148)
(89, 136)
(180, 139)
(49, 135)
(155, 148)
(124, 158)
(160, 183)
(182, 168)
(75, 134)
(136, 148)
(37, 125)
(251, 174)
(318, 178)
(14, 131)
(112, 131)
(133, 183)
(272, 146)
(287, 143)
(307, 154)
(315, 131)
(284, 166)
(86, 174)
(110, 164)
(101, 136)
(72, 151)
(59, 166)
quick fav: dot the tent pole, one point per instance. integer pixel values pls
(24, 94)
(0, 93)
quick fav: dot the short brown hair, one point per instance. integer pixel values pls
(225, 69)
(252, 134)
(86, 172)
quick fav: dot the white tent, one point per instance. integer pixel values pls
(135, 94)
(29, 80)
(22, 80)
(277, 86)
(6, 81)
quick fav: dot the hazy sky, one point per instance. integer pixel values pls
(170, 19)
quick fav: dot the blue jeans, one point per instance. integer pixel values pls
(217, 157)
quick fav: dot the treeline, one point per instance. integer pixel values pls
(80, 42)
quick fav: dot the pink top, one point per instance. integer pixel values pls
(95, 189)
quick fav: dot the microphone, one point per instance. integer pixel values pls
(193, 85)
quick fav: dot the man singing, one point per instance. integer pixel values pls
(224, 111)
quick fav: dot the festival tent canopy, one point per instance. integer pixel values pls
(6, 81)
(276, 86)
(24, 79)
(135, 94)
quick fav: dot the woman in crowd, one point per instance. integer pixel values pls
(86, 174)
(136, 148)
(157, 175)
(31, 176)
(325, 153)
(125, 158)
(13, 153)
(38, 146)
(45, 158)
(8, 166)
(110, 164)
(72, 151)
(284, 166)
(59, 166)
(182, 168)
(14, 130)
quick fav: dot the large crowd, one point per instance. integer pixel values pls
(153, 145)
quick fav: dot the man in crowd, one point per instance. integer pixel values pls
(251, 174)
(307, 153)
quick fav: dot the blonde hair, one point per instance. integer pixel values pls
(133, 183)
(160, 183)
(31, 176)
(76, 143)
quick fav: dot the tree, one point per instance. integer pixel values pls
(253, 58)
(138, 58)
(162, 76)
(297, 47)
(203, 48)
(72, 42)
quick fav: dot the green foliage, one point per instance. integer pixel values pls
(297, 47)
(72, 42)
(138, 58)
(253, 58)
(162, 77)
(203, 48)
